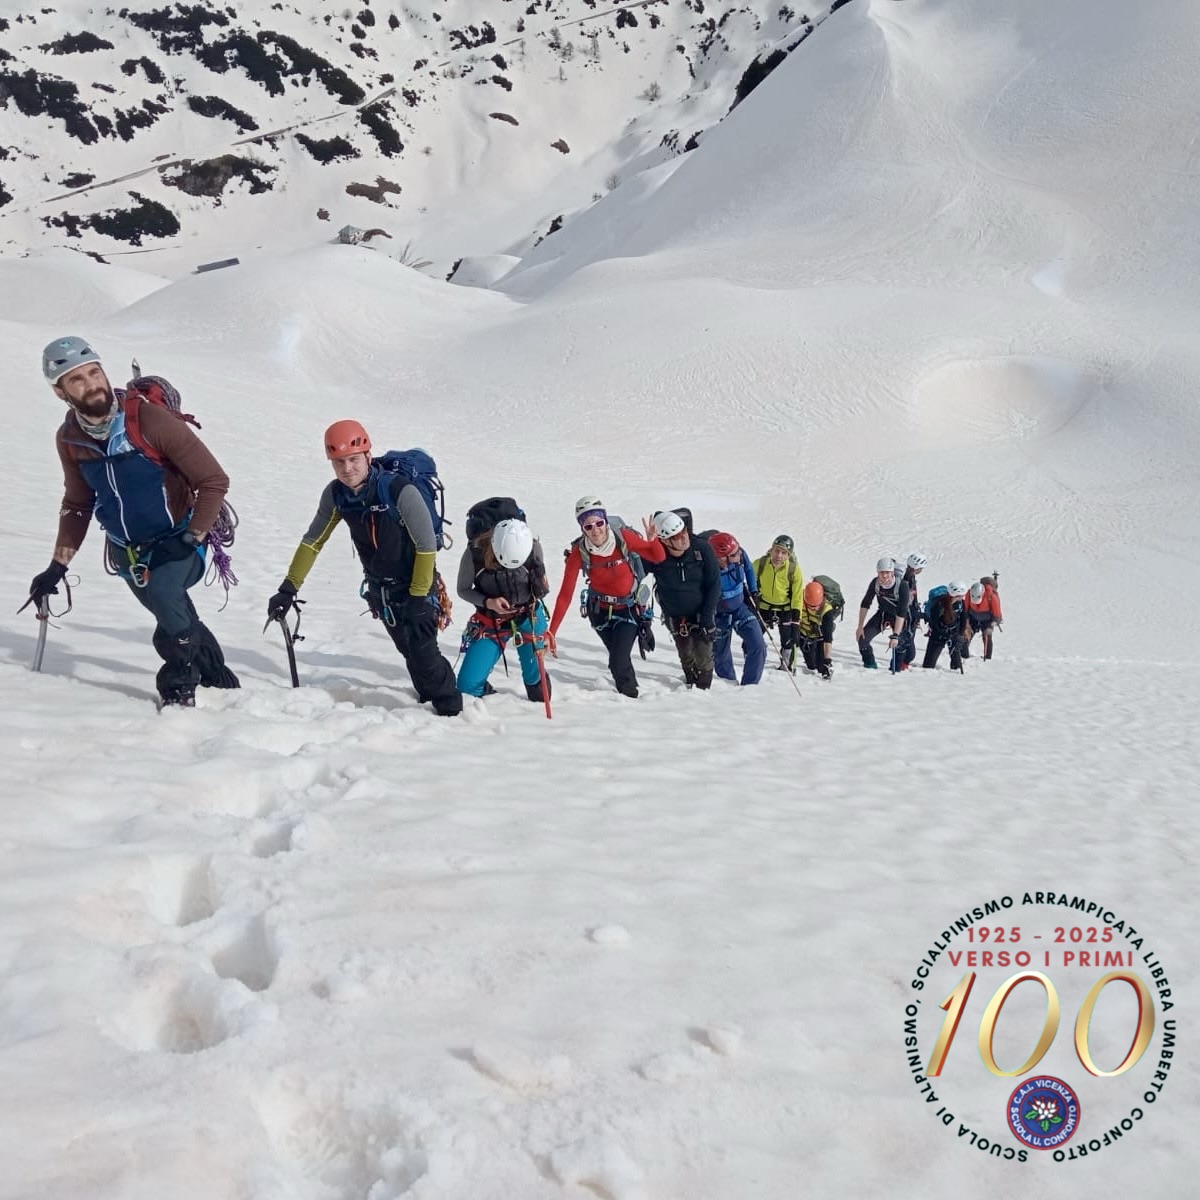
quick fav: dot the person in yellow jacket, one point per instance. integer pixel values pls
(815, 630)
(781, 595)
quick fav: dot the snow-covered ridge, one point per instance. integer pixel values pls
(123, 126)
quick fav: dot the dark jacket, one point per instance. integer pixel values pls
(689, 587)
(400, 552)
(893, 603)
(520, 586)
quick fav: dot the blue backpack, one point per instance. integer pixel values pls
(934, 594)
(417, 467)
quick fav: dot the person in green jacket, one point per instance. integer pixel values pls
(781, 595)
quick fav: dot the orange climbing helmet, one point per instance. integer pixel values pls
(344, 438)
(814, 595)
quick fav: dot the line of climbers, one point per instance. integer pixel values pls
(158, 493)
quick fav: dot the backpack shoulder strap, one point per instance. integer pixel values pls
(131, 409)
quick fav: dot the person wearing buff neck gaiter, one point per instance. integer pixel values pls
(156, 509)
(604, 552)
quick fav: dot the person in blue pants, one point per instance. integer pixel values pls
(735, 613)
(503, 574)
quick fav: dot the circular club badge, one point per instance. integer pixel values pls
(1043, 1112)
(1029, 1011)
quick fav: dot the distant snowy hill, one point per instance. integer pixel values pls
(479, 125)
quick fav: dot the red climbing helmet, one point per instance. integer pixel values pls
(344, 438)
(724, 545)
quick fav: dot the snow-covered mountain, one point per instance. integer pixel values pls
(465, 128)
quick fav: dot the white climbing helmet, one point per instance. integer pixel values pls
(957, 589)
(668, 524)
(917, 560)
(512, 543)
(977, 592)
(886, 563)
(586, 504)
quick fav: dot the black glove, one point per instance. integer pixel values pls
(794, 616)
(706, 633)
(46, 584)
(825, 669)
(421, 616)
(280, 604)
(173, 549)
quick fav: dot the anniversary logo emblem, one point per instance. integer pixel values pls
(981, 1031)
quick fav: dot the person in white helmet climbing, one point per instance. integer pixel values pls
(891, 593)
(688, 583)
(156, 491)
(913, 566)
(610, 555)
(947, 624)
(503, 574)
(983, 614)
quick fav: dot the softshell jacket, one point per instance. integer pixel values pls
(401, 553)
(689, 587)
(609, 576)
(520, 586)
(773, 586)
(894, 602)
(989, 604)
(136, 500)
(736, 579)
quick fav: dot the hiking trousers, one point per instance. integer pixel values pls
(619, 638)
(485, 651)
(696, 658)
(190, 652)
(431, 673)
(933, 650)
(745, 624)
(906, 646)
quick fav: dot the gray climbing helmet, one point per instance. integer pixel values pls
(65, 354)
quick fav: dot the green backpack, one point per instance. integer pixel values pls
(833, 594)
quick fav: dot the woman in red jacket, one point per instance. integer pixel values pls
(605, 553)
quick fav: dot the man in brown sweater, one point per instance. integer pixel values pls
(156, 490)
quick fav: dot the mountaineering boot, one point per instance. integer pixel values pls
(534, 691)
(488, 690)
(451, 706)
(210, 660)
(178, 676)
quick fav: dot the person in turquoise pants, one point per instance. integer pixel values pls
(503, 574)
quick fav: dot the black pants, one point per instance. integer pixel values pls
(431, 673)
(906, 646)
(191, 654)
(813, 650)
(933, 649)
(696, 658)
(619, 638)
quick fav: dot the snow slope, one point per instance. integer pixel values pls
(318, 944)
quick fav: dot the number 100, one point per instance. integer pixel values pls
(956, 1002)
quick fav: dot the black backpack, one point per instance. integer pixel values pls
(487, 514)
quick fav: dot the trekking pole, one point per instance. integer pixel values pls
(291, 635)
(777, 650)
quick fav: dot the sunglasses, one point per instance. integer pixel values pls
(597, 524)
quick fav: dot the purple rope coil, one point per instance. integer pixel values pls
(220, 536)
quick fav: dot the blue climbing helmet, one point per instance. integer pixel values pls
(65, 354)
